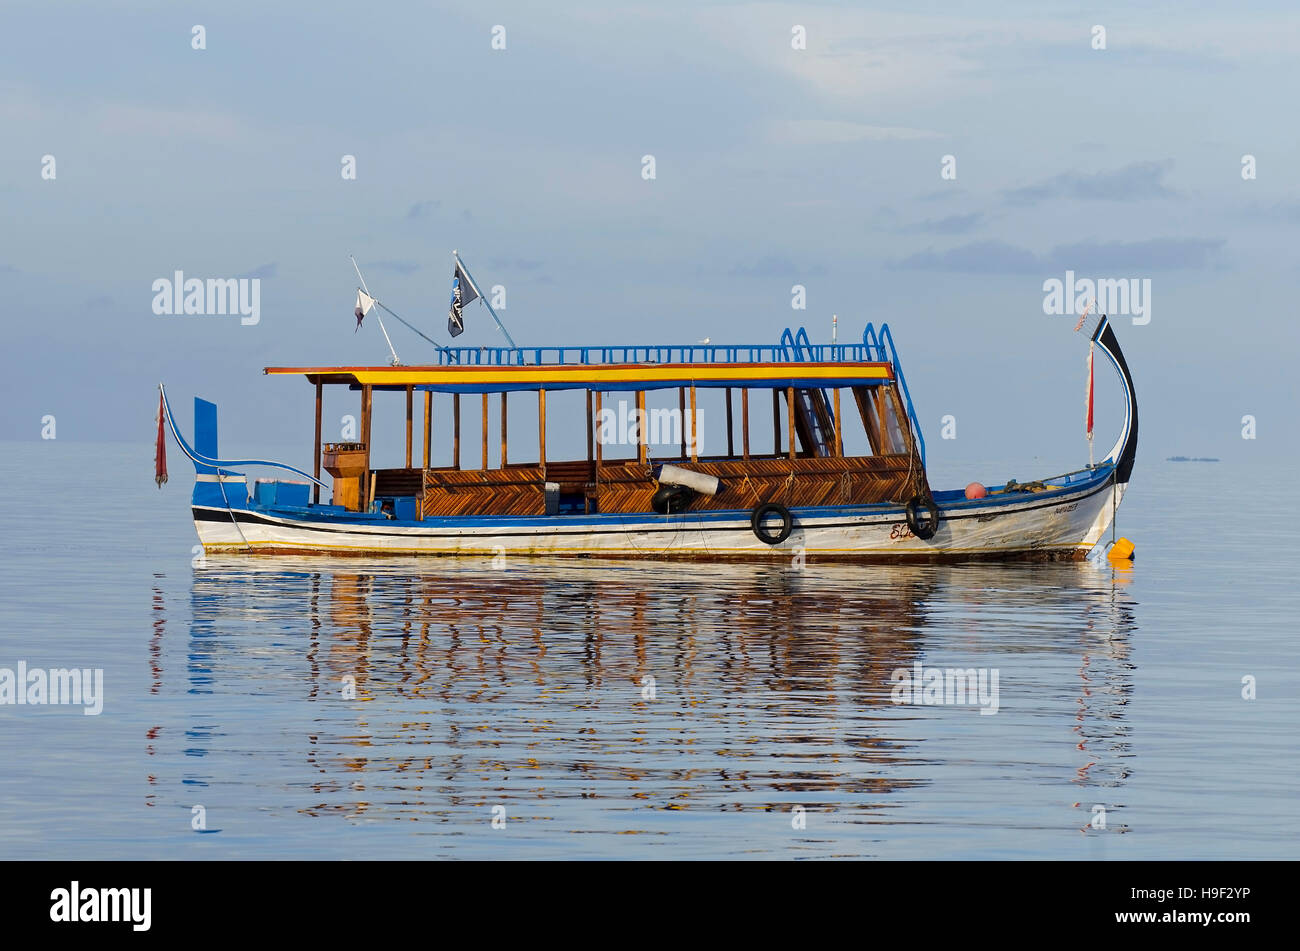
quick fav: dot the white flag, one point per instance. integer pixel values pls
(364, 304)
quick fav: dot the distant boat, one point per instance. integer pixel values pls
(799, 493)
(1191, 459)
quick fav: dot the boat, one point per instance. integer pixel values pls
(793, 493)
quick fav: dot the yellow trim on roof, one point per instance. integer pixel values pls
(595, 373)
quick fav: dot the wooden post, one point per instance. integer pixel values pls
(789, 410)
(410, 394)
(839, 425)
(695, 436)
(600, 446)
(591, 433)
(428, 447)
(316, 488)
(731, 444)
(681, 415)
(455, 429)
(642, 451)
(776, 422)
(428, 425)
(588, 498)
(485, 424)
(744, 420)
(367, 396)
(541, 428)
(503, 430)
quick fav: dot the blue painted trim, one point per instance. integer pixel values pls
(1083, 480)
(779, 383)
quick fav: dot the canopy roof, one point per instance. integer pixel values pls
(605, 377)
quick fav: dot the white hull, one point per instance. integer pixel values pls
(1063, 525)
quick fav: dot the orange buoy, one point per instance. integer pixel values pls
(1122, 550)
(976, 491)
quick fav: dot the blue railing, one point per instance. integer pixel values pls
(691, 353)
(885, 351)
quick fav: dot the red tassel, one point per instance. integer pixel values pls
(160, 450)
(1089, 422)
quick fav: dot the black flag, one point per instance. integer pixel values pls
(462, 293)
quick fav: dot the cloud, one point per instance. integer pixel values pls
(396, 267)
(136, 121)
(517, 264)
(1132, 182)
(775, 265)
(991, 257)
(953, 224)
(1116, 257)
(265, 271)
(1287, 211)
(1156, 254)
(947, 193)
(423, 209)
(832, 132)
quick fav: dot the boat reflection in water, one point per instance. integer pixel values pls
(602, 697)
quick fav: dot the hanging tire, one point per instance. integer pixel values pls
(922, 529)
(671, 498)
(762, 532)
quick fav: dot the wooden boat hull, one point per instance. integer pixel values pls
(1062, 523)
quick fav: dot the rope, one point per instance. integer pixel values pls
(234, 521)
(789, 486)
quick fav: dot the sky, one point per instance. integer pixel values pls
(774, 166)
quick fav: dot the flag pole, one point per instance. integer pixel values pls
(396, 362)
(481, 296)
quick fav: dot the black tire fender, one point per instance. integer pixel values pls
(922, 529)
(761, 531)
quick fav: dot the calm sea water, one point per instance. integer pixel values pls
(523, 693)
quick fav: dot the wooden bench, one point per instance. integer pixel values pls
(573, 477)
(393, 483)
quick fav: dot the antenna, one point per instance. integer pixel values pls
(396, 362)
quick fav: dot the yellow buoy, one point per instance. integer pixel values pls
(1122, 550)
